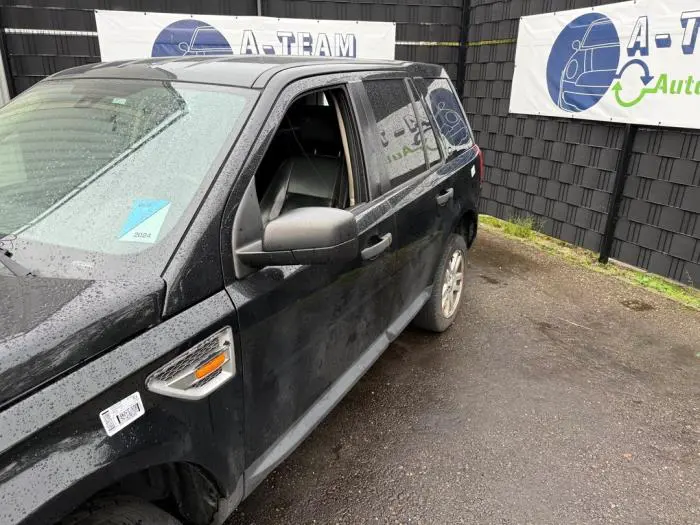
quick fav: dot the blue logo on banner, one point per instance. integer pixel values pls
(583, 62)
(190, 37)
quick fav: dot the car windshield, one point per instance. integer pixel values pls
(601, 34)
(94, 170)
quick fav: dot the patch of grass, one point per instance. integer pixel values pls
(487, 220)
(525, 231)
(522, 227)
(666, 288)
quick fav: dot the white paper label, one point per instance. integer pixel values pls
(122, 414)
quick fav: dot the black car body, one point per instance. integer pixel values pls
(259, 305)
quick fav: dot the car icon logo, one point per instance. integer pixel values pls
(190, 38)
(205, 40)
(583, 63)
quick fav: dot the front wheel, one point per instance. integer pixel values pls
(120, 510)
(448, 286)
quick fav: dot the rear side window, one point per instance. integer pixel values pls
(448, 114)
(398, 129)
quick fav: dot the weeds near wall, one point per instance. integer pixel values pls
(526, 229)
(523, 227)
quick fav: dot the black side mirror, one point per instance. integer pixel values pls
(305, 236)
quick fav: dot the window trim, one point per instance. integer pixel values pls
(413, 89)
(409, 88)
(358, 159)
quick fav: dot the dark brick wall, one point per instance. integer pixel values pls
(659, 226)
(416, 21)
(562, 172)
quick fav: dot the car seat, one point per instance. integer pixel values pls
(316, 176)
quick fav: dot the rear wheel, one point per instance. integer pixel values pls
(448, 285)
(120, 510)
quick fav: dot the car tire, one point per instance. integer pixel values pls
(120, 510)
(437, 314)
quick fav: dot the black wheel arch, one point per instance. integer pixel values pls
(185, 490)
(467, 226)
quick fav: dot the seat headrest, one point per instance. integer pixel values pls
(317, 125)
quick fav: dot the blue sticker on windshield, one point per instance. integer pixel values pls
(145, 221)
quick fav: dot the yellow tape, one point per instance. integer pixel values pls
(428, 44)
(456, 44)
(492, 42)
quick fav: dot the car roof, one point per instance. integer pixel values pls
(240, 70)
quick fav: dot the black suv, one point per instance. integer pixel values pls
(200, 257)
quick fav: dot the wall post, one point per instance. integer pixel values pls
(623, 164)
(463, 43)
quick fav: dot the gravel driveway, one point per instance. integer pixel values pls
(559, 396)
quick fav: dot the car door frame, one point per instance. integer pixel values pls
(367, 213)
(431, 180)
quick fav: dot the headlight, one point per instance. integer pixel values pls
(571, 69)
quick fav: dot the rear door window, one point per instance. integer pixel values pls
(398, 129)
(449, 115)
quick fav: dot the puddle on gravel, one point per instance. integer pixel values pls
(684, 354)
(490, 280)
(503, 254)
(543, 326)
(637, 305)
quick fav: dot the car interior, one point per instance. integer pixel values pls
(308, 162)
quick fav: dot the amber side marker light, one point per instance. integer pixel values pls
(198, 371)
(211, 366)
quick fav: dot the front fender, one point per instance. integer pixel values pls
(55, 454)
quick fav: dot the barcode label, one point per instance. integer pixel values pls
(107, 421)
(122, 414)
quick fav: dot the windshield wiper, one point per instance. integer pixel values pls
(12, 265)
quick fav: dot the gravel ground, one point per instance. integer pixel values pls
(559, 396)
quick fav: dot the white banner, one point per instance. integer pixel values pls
(129, 34)
(632, 62)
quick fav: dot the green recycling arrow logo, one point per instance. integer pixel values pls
(646, 78)
(617, 88)
(664, 85)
